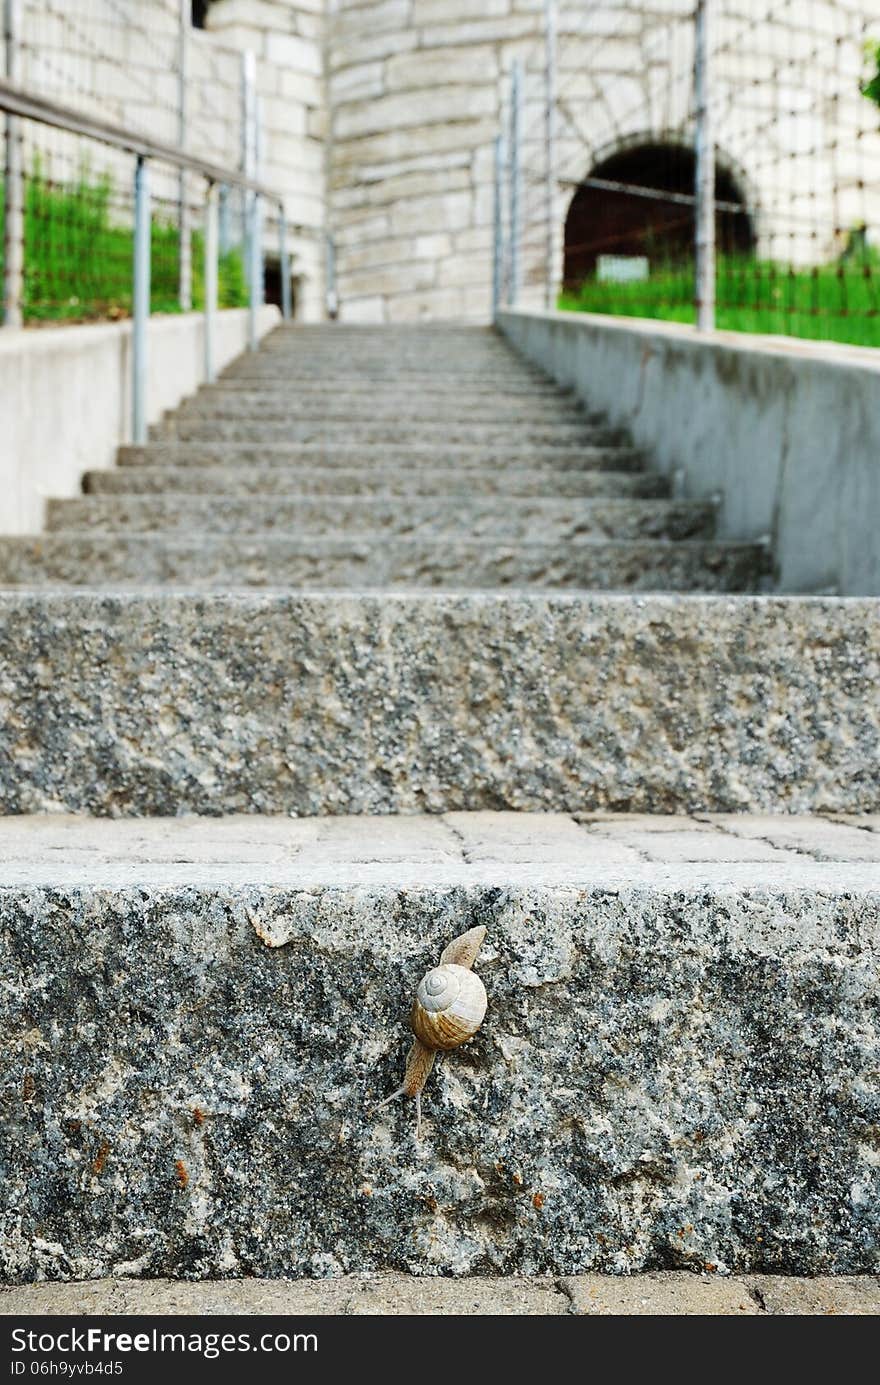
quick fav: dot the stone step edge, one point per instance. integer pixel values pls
(392, 483)
(375, 456)
(676, 1293)
(566, 508)
(636, 854)
(301, 541)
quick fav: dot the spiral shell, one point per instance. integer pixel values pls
(449, 1006)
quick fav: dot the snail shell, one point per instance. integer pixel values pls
(449, 1007)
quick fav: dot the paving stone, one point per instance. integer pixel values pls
(795, 1295)
(659, 1293)
(820, 837)
(525, 838)
(868, 822)
(508, 1297)
(534, 849)
(162, 1297)
(697, 846)
(669, 1294)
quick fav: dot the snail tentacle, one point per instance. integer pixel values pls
(401, 1091)
(462, 951)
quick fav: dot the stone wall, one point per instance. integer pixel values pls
(380, 116)
(417, 89)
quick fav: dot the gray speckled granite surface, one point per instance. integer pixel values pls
(343, 452)
(448, 432)
(492, 520)
(677, 1069)
(402, 480)
(287, 702)
(374, 560)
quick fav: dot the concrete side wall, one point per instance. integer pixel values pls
(65, 399)
(787, 433)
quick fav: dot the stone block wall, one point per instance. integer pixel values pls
(379, 118)
(417, 90)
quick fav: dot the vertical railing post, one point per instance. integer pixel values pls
(224, 220)
(258, 170)
(705, 169)
(140, 301)
(284, 265)
(248, 92)
(249, 208)
(211, 257)
(330, 293)
(515, 195)
(184, 251)
(13, 180)
(498, 230)
(550, 148)
(253, 270)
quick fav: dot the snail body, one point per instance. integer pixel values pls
(449, 1008)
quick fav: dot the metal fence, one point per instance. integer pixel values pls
(715, 163)
(107, 219)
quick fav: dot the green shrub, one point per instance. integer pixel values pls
(837, 302)
(78, 255)
(871, 88)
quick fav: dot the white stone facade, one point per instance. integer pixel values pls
(417, 90)
(379, 119)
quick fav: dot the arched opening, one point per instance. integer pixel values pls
(607, 221)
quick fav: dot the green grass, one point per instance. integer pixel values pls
(836, 302)
(78, 257)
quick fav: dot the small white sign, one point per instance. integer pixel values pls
(622, 269)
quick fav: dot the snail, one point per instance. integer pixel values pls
(448, 1010)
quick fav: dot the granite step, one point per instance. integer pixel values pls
(369, 455)
(333, 384)
(376, 559)
(677, 1066)
(366, 408)
(150, 703)
(496, 519)
(406, 365)
(450, 433)
(400, 481)
(408, 375)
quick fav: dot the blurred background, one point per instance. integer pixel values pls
(421, 147)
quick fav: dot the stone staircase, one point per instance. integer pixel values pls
(315, 483)
(378, 638)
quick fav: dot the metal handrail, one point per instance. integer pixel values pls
(18, 104)
(15, 101)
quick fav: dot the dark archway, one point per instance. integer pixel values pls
(602, 221)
